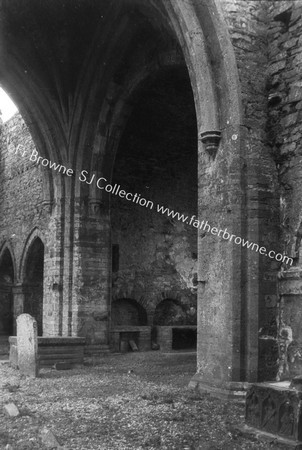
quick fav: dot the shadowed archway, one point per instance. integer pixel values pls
(6, 295)
(127, 312)
(33, 282)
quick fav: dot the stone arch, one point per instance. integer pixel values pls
(121, 113)
(7, 280)
(32, 277)
(201, 32)
(128, 312)
(38, 129)
(169, 312)
(6, 246)
(34, 234)
(141, 300)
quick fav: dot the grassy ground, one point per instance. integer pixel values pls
(129, 401)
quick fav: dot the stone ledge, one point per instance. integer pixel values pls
(269, 437)
(229, 390)
(52, 350)
(44, 340)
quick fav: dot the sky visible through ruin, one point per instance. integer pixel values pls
(7, 107)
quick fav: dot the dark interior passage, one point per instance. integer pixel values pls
(33, 282)
(184, 339)
(6, 296)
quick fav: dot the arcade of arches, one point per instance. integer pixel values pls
(193, 105)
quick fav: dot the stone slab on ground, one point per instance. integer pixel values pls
(27, 344)
(49, 439)
(11, 410)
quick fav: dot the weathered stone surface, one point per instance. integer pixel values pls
(11, 410)
(49, 439)
(296, 383)
(258, 111)
(133, 345)
(27, 343)
(63, 366)
(276, 409)
(13, 356)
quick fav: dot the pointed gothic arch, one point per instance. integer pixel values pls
(7, 279)
(32, 277)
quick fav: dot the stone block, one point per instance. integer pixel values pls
(63, 366)
(11, 410)
(27, 343)
(133, 345)
(48, 439)
(275, 408)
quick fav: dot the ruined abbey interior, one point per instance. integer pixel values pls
(193, 105)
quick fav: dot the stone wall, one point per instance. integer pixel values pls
(21, 191)
(248, 323)
(157, 158)
(21, 211)
(284, 136)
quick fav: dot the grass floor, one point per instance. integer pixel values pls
(129, 401)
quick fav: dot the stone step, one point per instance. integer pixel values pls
(52, 350)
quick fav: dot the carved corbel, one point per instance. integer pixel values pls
(210, 140)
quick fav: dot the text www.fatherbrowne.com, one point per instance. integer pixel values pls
(224, 234)
(102, 184)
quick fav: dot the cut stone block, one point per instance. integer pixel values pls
(276, 408)
(49, 439)
(63, 366)
(11, 410)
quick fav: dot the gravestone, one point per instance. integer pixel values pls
(27, 344)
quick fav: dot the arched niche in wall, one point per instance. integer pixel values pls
(127, 312)
(6, 295)
(169, 312)
(33, 273)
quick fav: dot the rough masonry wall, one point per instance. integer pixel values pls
(157, 158)
(21, 190)
(247, 23)
(21, 204)
(284, 134)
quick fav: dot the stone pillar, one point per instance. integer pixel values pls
(91, 273)
(220, 203)
(54, 271)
